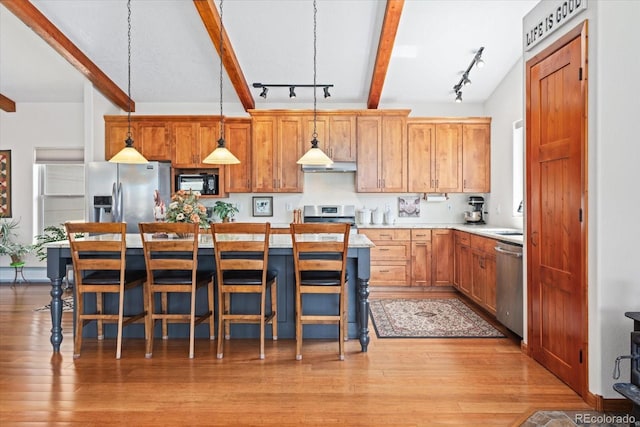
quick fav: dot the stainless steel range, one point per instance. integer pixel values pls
(331, 213)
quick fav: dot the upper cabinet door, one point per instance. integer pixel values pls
(115, 134)
(342, 138)
(154, 140)
(421, 138)
(393, 149)
(448, 157)
(264, 135)
(184, 137)
(289, 176)
(237, 135)
(369, 138)
(476, 163)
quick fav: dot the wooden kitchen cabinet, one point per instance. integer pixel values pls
(476, 269)
(275, 150)
(382, 152)
(442, 257)
(449, 155)
(336, 134)
(150, 136)
(476, 158)
(237, 135)
(421, 257)
(390, 257)
(192, 142)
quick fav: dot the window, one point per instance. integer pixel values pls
(59, 187)
(518, 168)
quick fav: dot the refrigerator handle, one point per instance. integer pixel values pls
(114, 203)
(120, 203)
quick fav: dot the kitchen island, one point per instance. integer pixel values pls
(280, 259)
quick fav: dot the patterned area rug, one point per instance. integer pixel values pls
(67, 304)
(578, 418)
(428, 318)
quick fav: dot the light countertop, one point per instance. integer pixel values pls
(484, 230)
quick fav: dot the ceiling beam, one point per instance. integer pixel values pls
(7, 104)
(211, 21)
(385, 47)
(39, 23)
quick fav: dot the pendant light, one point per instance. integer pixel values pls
(315, 156)
(221, 155)
(129, 154)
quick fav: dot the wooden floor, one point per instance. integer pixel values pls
(398, 382)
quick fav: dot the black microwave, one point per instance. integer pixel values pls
(204, 183)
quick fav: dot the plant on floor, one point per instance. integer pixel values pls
(8, 244)
(225, 210)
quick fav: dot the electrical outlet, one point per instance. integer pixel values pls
(289, 207)
(449, 208)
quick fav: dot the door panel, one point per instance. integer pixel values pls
(555, 198)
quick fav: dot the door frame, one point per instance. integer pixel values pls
(579, 31)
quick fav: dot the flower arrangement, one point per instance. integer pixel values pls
(184, 207)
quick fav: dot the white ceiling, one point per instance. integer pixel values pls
(174, 60)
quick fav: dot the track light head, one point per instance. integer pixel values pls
(465, 79)
(479, 63)
(458, 97)
(326, 92)
(264, 92)
(292, 92)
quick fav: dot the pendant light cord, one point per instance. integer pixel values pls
(315, 26)
(129, 140)
(221, 142)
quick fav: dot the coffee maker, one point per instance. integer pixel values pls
(476, 215)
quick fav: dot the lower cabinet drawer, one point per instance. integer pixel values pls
(389, 275)
(387, 252)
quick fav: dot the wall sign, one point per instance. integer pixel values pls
(547, 17)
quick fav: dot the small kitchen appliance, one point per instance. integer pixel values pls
(476, 215)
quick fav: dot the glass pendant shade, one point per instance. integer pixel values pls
(221, 156)
(315, 156)
(129, 155)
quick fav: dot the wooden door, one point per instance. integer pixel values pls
(464, 268)
(393, 153)
(289, 176)
(478, 277)
(476, 153)
(369, 140)
(184, 136)
(342, 138)
(556, 246)
(442, 257)
(448, 157)
(154, 141)
(262, 149)
(237, 135)
(207, 141)
(420, 137)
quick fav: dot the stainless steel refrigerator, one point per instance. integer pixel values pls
(121, 192)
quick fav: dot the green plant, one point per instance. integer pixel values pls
(52, 233)
(225, 210)
(8, 244)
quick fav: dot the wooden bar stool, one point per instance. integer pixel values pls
(242, 258)
(172, 267)
(99, 267)
(320, 258)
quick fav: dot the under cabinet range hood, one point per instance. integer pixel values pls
(335, 167)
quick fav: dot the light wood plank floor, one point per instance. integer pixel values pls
(398, 382)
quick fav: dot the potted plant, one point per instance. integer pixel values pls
(52, 233)
(8, 244)
(225, 210)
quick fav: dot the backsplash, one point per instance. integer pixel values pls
(339, 188)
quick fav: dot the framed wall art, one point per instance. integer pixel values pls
(5, 183)
(263, 206)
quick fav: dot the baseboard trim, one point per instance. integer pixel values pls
(602, 404)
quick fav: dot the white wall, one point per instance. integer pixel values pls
(34, 125)
(613, 150)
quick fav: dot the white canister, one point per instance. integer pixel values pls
(377, 216)
(364, 216)
(389, 217)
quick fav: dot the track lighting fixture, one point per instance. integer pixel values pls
(292, 88)
(464, 80)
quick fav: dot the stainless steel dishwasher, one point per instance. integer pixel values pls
(509, 286)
